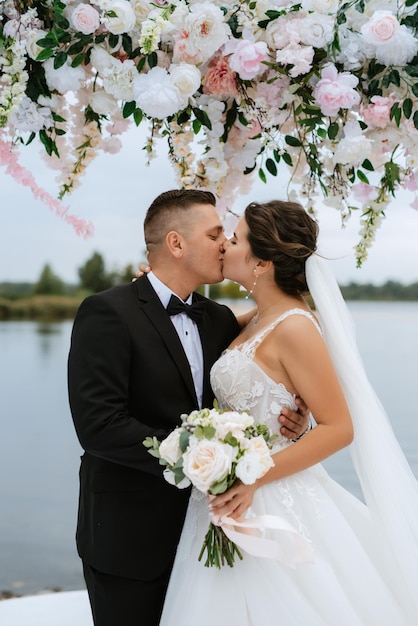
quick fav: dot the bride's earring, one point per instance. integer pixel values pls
(253, 286)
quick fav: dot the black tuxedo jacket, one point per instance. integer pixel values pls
(129, 378)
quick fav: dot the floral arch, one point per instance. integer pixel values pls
(327, 89)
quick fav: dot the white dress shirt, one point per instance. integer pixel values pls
(187, 331)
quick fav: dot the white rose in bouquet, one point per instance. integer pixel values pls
(206, 463)
(170, 447)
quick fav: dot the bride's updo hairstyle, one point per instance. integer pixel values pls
(283, 233)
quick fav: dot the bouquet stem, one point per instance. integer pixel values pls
(219, 548)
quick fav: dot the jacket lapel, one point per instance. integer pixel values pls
(152, 307)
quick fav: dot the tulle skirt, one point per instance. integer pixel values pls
(348, 583)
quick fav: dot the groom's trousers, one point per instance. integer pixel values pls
(117, 601)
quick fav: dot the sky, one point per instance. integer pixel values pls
(114, 195)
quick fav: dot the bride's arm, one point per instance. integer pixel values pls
(311, 372)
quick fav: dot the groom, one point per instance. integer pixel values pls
(134, 367)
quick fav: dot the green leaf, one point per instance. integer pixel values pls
(333, 130)
(184, 440)
(78, 60)
(152, 59)
(415, 89)
(76, 48)
(47, 141)
(292, 141)
(271, 166)
(415, 118)
(60, 60)
(113, 40)
(392, 175)
(45, 54)
(209, 432)
(128, 108)
(196, 126)
(138, 115)
(367, 165)
(407, 107)
(362, 176)
(203, 117)
(287, 159)
(262, 175)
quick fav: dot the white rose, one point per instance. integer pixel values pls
(170, 447)
(381, 28)
(32, 36)
(186, 78)
(103, 103)
(248, 468)
(156, 95)
(206, 463)
(124, 19)
(65, 78)
(85, 19)
(318, 30)
(258, 446)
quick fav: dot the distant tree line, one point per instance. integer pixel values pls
(50, 297)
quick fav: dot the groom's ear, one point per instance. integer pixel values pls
(175, 243)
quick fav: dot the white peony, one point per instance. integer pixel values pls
(206, 29)
(65, 78)
(206, 463)
(118, 79)
(170, 447)
(119, 17)
(156, 94)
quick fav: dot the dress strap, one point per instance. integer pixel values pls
(249, 347)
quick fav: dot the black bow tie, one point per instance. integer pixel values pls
(194, 311)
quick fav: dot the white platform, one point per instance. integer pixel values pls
(64, 608)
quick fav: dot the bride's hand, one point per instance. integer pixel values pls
(142, 269)
(234, 502)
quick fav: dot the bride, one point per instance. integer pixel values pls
(362, 563)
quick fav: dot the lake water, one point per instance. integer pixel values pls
(39, 453)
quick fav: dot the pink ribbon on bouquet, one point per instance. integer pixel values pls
(292, 548)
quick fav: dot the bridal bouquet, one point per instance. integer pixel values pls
(210, 450)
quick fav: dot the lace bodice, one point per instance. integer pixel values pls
(239, 383)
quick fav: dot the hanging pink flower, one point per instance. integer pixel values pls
(336, 91)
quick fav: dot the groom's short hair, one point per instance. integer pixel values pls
(166, 211)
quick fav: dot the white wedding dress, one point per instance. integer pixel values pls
(348, 582)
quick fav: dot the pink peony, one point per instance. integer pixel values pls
(336, 91)
(247, 59)
(377, 114)
(220, 80)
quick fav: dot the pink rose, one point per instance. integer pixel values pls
(247, 59)
(335, 91)
(220, 80)
(85, 19)
(380, 28)
(377, 114)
